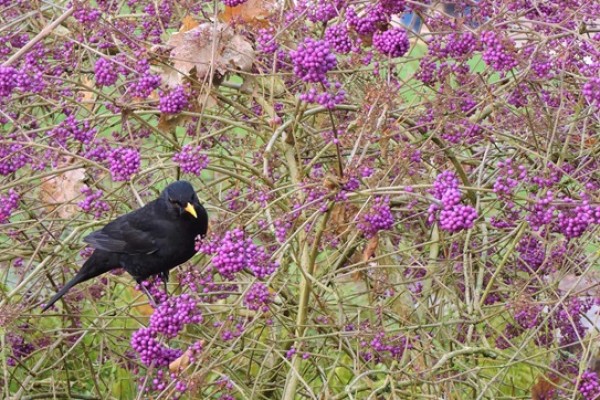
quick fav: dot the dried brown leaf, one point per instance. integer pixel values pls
(331, 182)
(59, 192)
(181, 362)
(165, 124)
(210, 48)
(544, 388)
(582, 285)
(252, 12)
(341, 215)
(188, 23)
(370, 249)
(88, 98)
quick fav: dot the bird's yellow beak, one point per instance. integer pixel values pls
(190, 208)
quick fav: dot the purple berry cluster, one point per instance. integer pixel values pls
(144, 85)
(378, 218)
(106, 72)
(20, 348)
(174, 102)
(454, 217)
(71, 128)
(290, 353)
(233, 3)
(154, 287)
(258, 297)
(589, 385)
(93, 203)
(174, 314)
(591, 91)
(373, 18)
(528, 316)
(86, 15)
(312, 60)
(392, 43)
(574, 220)
(98, 150)
(328, 99)
(566, 321)
(167, 321)
(319, 10)
(497, 51)
(457, 218)
(233, 200)
(394, 345)
(191, 160)
(234, 252)
(123, 163)
(532, 256)
(508, 177)
(8, 204)
(393, 6)
(9, 80)
(569, 319)
(266, 42)
(282, 228)
(378, 347)
(541, 213)
(458, 45)
(339, 38)
(151, 352)
(313, 197)
(12, 158)
(194, 350)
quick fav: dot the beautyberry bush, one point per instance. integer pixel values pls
(403, 197)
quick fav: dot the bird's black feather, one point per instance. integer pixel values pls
(146, 242)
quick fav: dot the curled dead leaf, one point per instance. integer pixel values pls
(209, 48)
(88, 98)
(341, 216)
(188, 23)
(582, 285)
(252, 12)
(331, 182)
(181, 362)
(370, 249)
(544, 388)
(60, 191)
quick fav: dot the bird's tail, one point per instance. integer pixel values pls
(97, 264)
(77, 279)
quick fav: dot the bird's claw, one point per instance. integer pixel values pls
(151, 298)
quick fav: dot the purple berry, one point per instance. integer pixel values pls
(8, 204)
(392, 43)
(234, 252)
(258, 297)
(233, 3)
(378, 218)
(124, 162)
(174, 102)
(105, 72)
(191, 160)
(312, 60)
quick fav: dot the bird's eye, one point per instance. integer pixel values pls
(172, 201)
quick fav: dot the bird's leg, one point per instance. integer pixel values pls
(150, 297)
(165, 278)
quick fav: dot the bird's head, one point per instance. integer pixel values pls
(181, 197)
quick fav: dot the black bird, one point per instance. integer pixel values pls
(149, 241)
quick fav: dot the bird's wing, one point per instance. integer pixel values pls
(133, 233)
